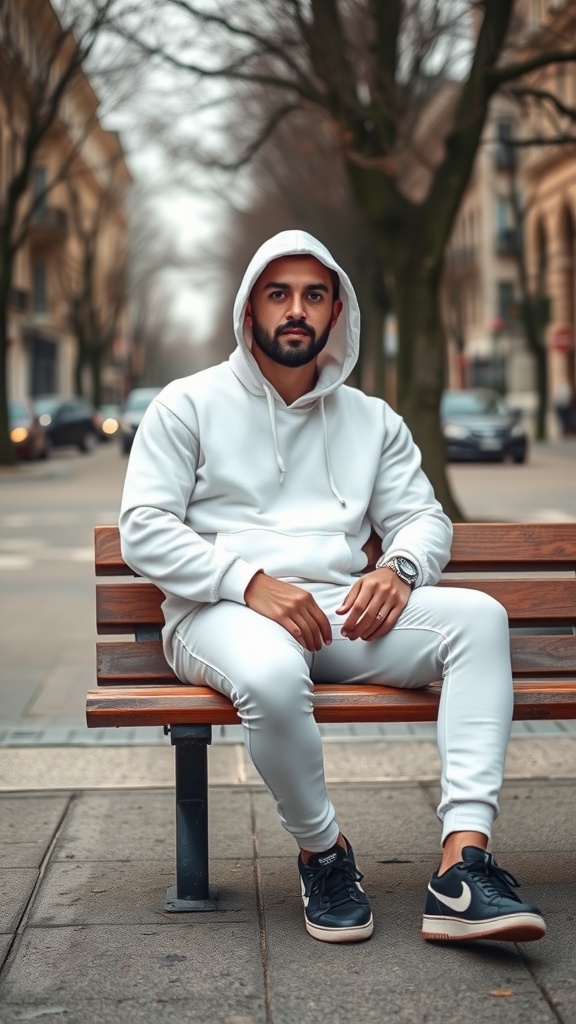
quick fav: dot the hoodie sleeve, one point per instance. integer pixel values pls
(155, 539)
(404, 510)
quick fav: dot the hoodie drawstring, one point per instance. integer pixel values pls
(331, 481)
(272, 412)
(280, 460)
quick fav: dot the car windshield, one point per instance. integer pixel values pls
(18, 411)
(140, 399)
(47, 404)
(468, 403)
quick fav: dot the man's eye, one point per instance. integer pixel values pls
(315, 296)
(277, 295)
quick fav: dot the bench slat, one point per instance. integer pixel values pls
(181, 705)
(509, 547)
(540, 602)
(477, 547)
(135, 664)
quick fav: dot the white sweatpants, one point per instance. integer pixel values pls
(459, 636)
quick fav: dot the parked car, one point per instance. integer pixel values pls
(137, 401)
(479, 424)
(27, 434)
(68, 420)
(108, 421)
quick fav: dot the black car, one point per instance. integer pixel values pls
(137, 401)
(68, 420)
(479, 425)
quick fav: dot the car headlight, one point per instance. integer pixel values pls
(455, 432)
(19, 434)
(517, 430)
(45, 419)
(109, 426)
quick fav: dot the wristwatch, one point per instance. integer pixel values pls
(403, 567)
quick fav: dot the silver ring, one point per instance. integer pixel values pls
(378, 616)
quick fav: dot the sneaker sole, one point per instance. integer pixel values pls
(358, 933)
(514, 928)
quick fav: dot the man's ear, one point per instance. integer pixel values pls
(248, 314)
(336, 310)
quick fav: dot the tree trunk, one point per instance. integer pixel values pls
(96, 359)
(422, 370)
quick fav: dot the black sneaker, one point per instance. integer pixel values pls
(475, 899)
(335, 906)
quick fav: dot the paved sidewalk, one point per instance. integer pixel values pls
(87, 845)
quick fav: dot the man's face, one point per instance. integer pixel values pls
(292, 310)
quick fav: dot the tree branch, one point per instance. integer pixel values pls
(276, 118)
(508, 73)
(546, 96)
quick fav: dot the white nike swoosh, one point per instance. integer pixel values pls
(460, 903)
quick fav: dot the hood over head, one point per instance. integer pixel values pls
(339, 356)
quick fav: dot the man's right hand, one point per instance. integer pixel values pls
(290, 606)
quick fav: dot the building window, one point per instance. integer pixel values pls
(502, 215)
(39, 185)
(505, 154)
(39, 289)
(505, 300)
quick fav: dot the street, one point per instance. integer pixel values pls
(47, 516)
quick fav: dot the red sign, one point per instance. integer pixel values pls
(562, 338)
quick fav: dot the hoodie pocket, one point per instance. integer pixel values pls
(309, 556)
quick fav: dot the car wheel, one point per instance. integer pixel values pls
(519, 458)
(126, 446)
(88, 442)
(45, 453)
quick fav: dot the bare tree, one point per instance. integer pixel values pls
(94, 288)
(42, 60)
(157, 256)
(405, 87)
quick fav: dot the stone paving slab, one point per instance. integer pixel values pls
(16, 887)
(29, 823)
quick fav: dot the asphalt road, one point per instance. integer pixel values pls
(47, 515)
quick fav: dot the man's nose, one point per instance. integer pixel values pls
(295, 309)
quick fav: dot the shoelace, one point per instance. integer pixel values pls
(340, 876)
(495, 880)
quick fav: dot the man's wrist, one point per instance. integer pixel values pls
(403, 567)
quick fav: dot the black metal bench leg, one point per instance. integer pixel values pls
(192, 891)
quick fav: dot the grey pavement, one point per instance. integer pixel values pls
(87, 852)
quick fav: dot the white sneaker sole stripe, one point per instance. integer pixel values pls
(357, 934)
(511, 927)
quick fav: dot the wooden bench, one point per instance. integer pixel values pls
(530, 569)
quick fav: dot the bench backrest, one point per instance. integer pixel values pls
(535, 565)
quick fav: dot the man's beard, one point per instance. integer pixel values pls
(288, 355)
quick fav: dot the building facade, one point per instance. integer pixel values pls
(72, 221)
(518, 217)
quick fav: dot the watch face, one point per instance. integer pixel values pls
(407, 568)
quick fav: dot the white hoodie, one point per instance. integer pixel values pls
(225, 479)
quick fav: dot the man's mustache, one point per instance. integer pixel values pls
(295, 325)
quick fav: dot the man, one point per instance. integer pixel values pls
(251, 492)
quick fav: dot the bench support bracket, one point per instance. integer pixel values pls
(192, 892)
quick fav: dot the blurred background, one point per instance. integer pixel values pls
(147, 149)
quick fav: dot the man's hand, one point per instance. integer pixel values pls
(291, 607)
(374, 605)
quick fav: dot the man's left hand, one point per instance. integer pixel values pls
(374, 605)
